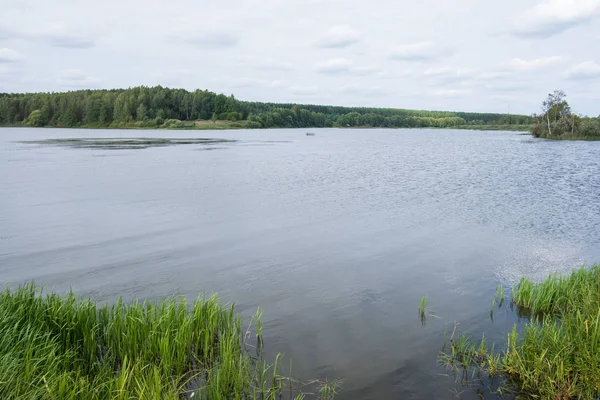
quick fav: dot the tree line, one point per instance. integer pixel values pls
(558, 121)
(178, 108)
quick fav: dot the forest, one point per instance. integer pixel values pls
(160, 107)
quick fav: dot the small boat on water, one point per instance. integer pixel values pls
(310, 134)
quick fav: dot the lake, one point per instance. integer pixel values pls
(335, 236)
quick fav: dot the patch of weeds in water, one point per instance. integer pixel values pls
(557, 354)
(500, 295)
(328, 389)
(424, 311)
(62, 347)
(125, 143)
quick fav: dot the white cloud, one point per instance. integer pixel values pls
(6, 71)
(245, 82)
(362, 90)
(208, 39)
(273, 65)
(61, 36)
(518, 64)
(304, 90)
(335, 65)
(449, 74)
(584, 70)
(346, 66)
(490, 76)
(265, 64)
(504, 97)
(77, 78)
(365, 70)
(275, 50)
(506, 86)
(276, 83)
(450, 92)
(422, 51)
(57, 35)
(254, 82)
(554, 16)
(338, 37)
(9, 55)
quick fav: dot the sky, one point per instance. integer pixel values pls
(461, 55)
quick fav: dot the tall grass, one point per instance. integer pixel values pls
(557, 355)
(60, 347)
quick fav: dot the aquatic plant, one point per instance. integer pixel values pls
(422, 306)
(557, 354)
(500, 294)
(329, 389)
(61, 347)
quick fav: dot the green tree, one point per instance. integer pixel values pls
(555, 107)
(141, 113)
(35, 118)
(121, 108)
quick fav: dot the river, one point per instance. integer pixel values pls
(336, 236)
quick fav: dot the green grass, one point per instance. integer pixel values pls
(61, 347)
(557, 354)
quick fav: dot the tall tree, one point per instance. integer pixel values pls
(555, 107)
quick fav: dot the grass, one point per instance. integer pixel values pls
(557, 354)
(61, 347)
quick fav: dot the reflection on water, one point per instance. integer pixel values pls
(336, 236)
(124, 143)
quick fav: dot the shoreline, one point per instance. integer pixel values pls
(238, 126)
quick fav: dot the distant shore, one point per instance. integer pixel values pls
(233, 125)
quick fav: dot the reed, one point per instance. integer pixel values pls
(500, 295)
(423, 307)
(557, 354)
(61, 347)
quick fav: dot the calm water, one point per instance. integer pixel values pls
(336, 236)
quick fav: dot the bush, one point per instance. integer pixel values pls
(589, 127)
(35, 118)
(253, 125)
(173, 124)
(234, 116)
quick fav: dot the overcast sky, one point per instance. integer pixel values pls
(469, 55)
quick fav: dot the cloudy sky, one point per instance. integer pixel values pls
(471, 55)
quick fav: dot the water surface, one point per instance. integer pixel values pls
(336, 236)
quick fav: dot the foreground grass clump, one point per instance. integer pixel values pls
(60, 347)
(557, 355)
